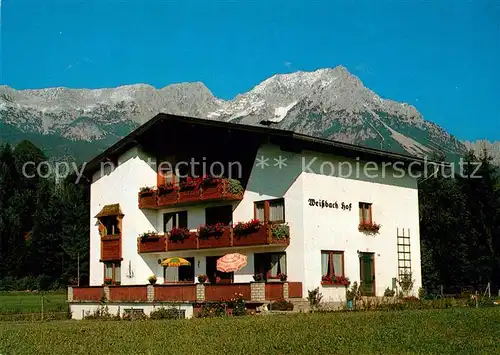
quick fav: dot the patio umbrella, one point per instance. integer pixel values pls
(231, 262)
(175, 262)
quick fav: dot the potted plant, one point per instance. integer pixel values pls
(177, 235)
(152, 279)
(370, 227)
(211, 230)
(108, 281)
(202, 278)
(280, 231)
(234, 187)
(146, 191)
(259, 277)
(283, 277)
(188, 184)
(166, 188)
(352, 294)
(209, 180)
(245, 228)
(148, 235)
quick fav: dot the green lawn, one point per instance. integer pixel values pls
(448, 331)
(31, 302)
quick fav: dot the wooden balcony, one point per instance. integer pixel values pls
(161, 198)
(190, 293)
(262, 235)
(111, 247)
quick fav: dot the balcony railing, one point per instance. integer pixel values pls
(262, 235)
(165, 197)
(252, 292)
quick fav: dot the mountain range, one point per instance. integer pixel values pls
(328, 103)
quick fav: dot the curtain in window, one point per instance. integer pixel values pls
(170, 274)
(259, 211)
(283, 264)
(337, 265)
(367, 213)
(324, 263)
(276, 211)
(275, 260)
(108, 271)
(117, 273)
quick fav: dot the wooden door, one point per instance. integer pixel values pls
(367, 274)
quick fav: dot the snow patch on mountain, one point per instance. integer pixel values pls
(280, 112)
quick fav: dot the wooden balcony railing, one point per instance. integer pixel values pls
(227, 239)
(191, 293)
(222, 190)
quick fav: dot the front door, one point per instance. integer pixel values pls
(215, 276)
(367, 274)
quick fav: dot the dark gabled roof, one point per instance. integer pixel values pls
(312, 143)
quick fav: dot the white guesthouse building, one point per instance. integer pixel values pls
(327, 211)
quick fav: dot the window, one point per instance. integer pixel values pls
(221, 214)
(112, 271)
(365, 213)
(179, 274)
(332, 263)
(271, 265)
(110, 224)
(270, 211)
(174, 220)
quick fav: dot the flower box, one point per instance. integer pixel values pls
(147, 199)
(189, 195)
(335, 281)
(372, 227)
(216, 240)
(189, 243)
(168, 199)
(258, 236)
(212, 190)
(151, 245)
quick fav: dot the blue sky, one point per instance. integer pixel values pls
(441, 56)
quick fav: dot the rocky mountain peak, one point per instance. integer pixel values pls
(330, 103)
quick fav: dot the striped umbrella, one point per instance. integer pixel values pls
(175, 262)
(231, 262)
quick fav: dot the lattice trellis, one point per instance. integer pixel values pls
(404, 252)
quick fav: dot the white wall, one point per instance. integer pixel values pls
(122, 186)
(80, 310)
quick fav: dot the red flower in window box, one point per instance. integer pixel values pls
(208, 180)
(335, 280)
(244, 228)
(108, 281)
(189, 184)
(370, 227)
(146, 191)
(178, 234)
(166, 188)
(212, 230)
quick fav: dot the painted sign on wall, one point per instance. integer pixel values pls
(328, 204)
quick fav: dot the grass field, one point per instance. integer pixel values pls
(447, 331)
(31, 302)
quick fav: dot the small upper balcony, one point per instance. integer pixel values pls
(252, 233)
(190, 191)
